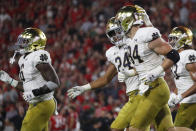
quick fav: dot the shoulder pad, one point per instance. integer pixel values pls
(148, 34)
(110, 53)
(188, 56)
(41, 56)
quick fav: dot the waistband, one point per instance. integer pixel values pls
(156, 82)
(35, 102)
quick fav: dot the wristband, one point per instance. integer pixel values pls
(13, 83)
(87, 87)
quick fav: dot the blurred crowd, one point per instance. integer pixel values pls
(77, 43)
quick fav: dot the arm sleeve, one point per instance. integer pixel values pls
(41, 56)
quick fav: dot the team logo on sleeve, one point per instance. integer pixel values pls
(192, 58)
(155, 35)
(43, 57)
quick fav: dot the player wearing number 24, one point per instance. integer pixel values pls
(38, 79)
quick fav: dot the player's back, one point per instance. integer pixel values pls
(144, 58)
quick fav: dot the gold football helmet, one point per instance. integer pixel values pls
(30, 40)
(180, 36)
(128, 16)
(114, 32)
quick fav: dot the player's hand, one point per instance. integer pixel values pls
(5, 77)
(149, 78)
(174, 99)
(122, 77)
(28, 96)
(171, 102)
(153, 75)
(178, 99)
(77, 90)
(144, 15)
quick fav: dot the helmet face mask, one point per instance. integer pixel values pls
(22, 44)
(180, 37)
(114, 32)
(173, 41)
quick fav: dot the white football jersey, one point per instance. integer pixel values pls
(120, 58)
(183, 79)
(31, 77)
(142, 56)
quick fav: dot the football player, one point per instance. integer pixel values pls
(118, 57)
(185, 79)
(38, 79)
(145, 48)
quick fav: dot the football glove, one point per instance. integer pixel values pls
(77, 90)
(144, 15)
(7, 79)
(122, 76)
(153, 74)
(174, 99)
(28, 96)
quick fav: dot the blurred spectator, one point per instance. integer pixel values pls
(184, 15)
(58, 122)
(72, 119)
(4, 15)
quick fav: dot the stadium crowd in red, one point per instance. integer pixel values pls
(76, 40)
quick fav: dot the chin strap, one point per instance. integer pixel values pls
(12, 60)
